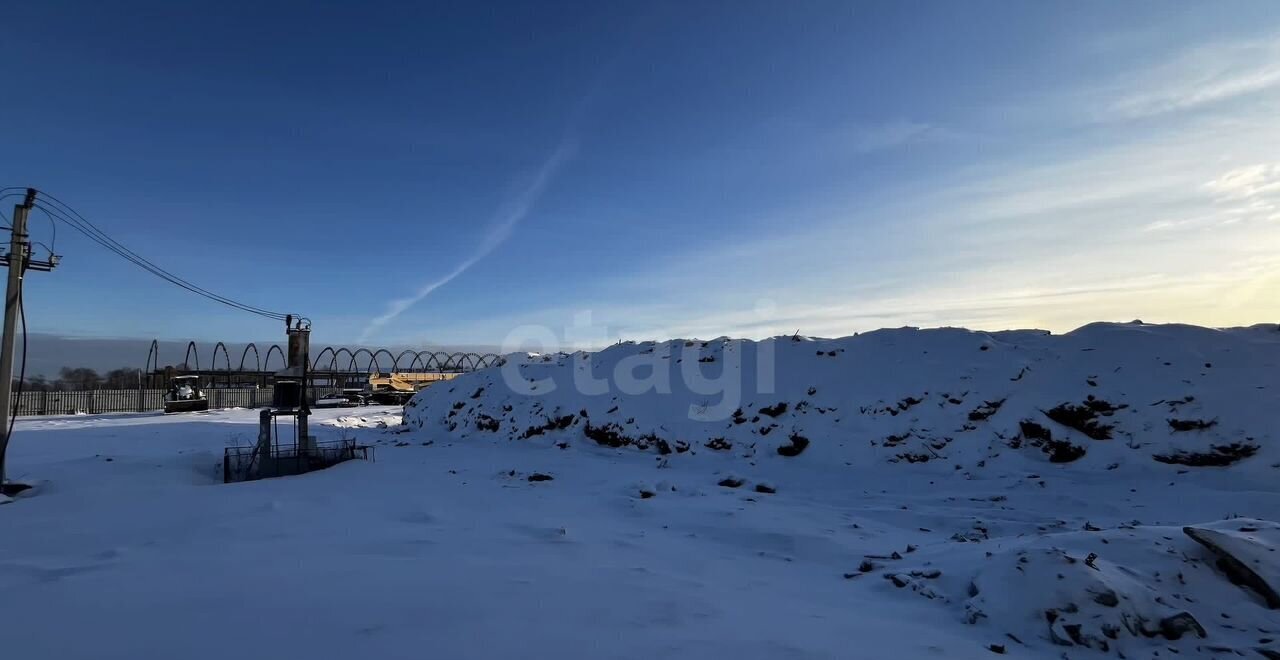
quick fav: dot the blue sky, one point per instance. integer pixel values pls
(407, 172)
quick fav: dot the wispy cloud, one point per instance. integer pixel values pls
(1248, 182)
(509, 214)
(1205, 75)
(865, 139)
(1248, 194)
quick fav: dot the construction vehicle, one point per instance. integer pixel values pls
(395, 389)
(185, 395)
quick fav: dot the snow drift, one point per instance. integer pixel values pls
(1099, 412)
(1101, 396)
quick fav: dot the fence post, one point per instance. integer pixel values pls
(44, 402)
(92, 401)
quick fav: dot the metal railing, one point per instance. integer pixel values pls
(249, 463)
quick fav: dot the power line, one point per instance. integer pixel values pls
(53, 226)
(61, 211)
(105, 241)
(110, 244)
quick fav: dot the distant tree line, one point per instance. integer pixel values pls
(84, 378)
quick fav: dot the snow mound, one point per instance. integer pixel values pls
(377, 420)
(1247, 555)
(1111, 420)
(1172, 397)
(1120, 591)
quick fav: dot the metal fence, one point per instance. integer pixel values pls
(249, 463)
(105, 401)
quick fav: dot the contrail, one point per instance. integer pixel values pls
(508, 216)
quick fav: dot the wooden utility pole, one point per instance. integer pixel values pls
(19, 260)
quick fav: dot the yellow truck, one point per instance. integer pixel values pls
(398, 388)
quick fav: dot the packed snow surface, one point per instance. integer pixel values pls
(901, 493)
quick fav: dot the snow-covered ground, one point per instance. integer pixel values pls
(920, 494)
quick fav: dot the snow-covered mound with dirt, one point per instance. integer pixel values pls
(1031, 487)
(1100, 397)
(1121, 590)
